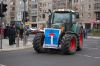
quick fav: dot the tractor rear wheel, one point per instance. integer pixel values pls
(68, 44)
(80, 41)
(38, 42)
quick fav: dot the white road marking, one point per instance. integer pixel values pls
(91, 48)
(88, 56)
(2, 65)
(97, 57)
(94, 37)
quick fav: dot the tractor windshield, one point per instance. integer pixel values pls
(61, 17)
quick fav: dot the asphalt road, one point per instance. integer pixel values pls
(89, 56)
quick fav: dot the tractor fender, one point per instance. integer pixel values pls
(72, 33)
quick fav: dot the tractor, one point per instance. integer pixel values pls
(63, 33)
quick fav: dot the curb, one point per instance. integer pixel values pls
(17, 48)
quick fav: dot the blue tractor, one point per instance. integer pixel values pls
(63, 33)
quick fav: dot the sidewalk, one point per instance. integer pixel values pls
(7, 47)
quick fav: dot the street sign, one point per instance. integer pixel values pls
(51, 38)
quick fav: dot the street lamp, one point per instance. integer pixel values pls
(2, 10)
(24, 11)
(24, 40)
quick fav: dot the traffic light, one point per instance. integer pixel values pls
(3, 7)
(25, 15)
(43, 16)
(2, 15)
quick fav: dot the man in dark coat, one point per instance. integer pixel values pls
(12, 35)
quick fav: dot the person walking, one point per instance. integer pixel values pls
(5, 32)
(12, 35)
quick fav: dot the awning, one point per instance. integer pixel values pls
(97, 22)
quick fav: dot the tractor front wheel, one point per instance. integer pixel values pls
(68, 44)
(38, 42)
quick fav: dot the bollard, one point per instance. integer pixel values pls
(24, 39)
(0, 42)
(17, 43)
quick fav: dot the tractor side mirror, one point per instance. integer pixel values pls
(77, 15)
(49, 20)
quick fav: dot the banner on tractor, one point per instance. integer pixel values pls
(51, 37)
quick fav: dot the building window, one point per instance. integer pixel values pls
(75, 0)
(89, 15)
(12, 18)
(97, 6)
(13, 8)
(34, 18)
(34, 6)
(82, 14)
(97, 15)
(89, 6)
(43, 16)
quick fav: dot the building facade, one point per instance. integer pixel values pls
(43, 7)
(11, 10)
(89, 10)
(90, 13)
(62, 4)
(32, 10)
(15, 10)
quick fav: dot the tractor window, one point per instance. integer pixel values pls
(73, 18)
(61, 17)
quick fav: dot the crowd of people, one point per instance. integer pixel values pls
(11, 32)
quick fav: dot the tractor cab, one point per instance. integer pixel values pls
(63, 20)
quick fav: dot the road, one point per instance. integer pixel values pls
(89, 56)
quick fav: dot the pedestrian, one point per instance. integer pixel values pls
(7, 28)
(12, 35)
(5, 32)
(85, 33)
(26, 31)
(41, 27)
(0, 30)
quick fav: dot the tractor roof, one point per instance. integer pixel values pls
(63, 11)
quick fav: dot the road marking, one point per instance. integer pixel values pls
(94, 37)
(97, 57)
(88, 56)
(91, 48)
(2, 65)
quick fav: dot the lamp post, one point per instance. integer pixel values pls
(24, 18)
(24, 11)
(1, 26)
